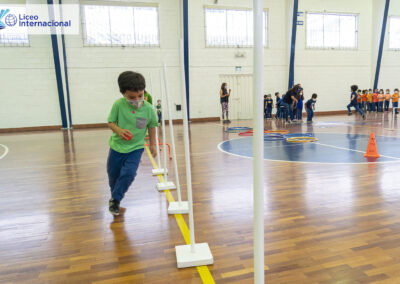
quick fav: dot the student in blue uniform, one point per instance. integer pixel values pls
(310, 107)
(299, 107)
(278, 105)
(265, 106)
(353, 101)
(269, 104)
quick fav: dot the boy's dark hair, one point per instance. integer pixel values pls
(359, 91)
(314, 96)
(276, 93)
(131, 81)
(354, 88)
(396, 90)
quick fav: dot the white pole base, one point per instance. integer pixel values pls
(157, 172)
(165, 185)
(176, 208)
(201, 256)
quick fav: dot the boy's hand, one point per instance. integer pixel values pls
(153, 150)
(125, 134)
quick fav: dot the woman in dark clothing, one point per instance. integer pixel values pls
(289, 100)
(224, 97)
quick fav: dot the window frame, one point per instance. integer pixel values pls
(357, 15)
(266, 11)
(390, 23)
(117, 4)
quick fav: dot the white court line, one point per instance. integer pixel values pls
(219, 146)
(348, 149)
(6, 151)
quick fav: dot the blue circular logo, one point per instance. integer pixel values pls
(10, 20)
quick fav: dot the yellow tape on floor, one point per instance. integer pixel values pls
(203, 270)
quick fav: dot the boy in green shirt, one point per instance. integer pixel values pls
(129, 119)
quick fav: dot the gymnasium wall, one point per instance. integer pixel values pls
(29, 94)
(28, 90)
(390, 69)
(208, 63)
(330, 73)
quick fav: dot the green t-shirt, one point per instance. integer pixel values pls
(135, 120)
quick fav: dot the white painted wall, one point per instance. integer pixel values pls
(207, 64)
(93, 71)
(330, 73)
(390, 68)
(28, 87)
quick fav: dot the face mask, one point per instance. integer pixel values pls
(136, 103)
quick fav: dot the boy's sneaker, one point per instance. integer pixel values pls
(349, 113)
(363, 116)
(113, 207)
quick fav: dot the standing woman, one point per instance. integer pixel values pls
(289, 100)
(224, 97)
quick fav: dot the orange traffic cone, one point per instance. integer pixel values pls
(372, 151)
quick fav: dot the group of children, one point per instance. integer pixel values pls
(367, 101)
(294, 112)
(377, 101)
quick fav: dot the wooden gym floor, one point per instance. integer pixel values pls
(324, 223)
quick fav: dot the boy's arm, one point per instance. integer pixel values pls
(121, 132)
(152, 136)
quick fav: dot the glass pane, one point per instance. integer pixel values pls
(315, 30)
(331, 30)
(216, 27)
(237, 27)
(14, 34)
(394, 38)
(121, 19)
(97, 24)
(146, 25)
(348, 31)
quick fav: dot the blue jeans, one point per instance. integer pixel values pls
(121, 169)
(380, 106)
(299, 113)
(278, 112)
(289, 111)
(387, 105)
(268, 112)
(355, 105)
(310, 114)
(395, 105)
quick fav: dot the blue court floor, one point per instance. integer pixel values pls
(330, 148)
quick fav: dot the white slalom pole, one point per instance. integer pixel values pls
(174, 207)
(166, 185)
(258, 143)
(159, 170)
(193, 254)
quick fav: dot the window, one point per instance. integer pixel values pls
(394, 33)
(12, 34)
(121, 25)
(332, 31)
(225, 28)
